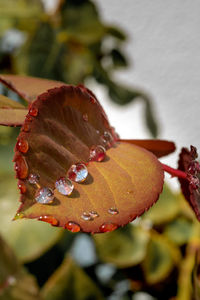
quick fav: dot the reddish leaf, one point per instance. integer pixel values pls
(66, 123)
(157, 147)
(190, 187)
(28, 87)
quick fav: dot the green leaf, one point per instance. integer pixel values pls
(116, 33)
(15, 282)
(118, 58)
(179, 231)
(166, 209)
(70, 282)
(125, 247)
(29, 239)
(160, 259)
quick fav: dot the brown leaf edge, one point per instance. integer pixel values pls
(158, 147)
(190, 186)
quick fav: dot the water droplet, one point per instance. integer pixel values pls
(107, 139)
(26, 127)
(130, 192)
(77, 172)
(29, 118)
(22, 187)
(97, 131)
(87, 217)
(93, 214)
(22, 145)
(97, 153)
(85, 117)
(44, 195)
(107, 227)
(21, 167)
(33, 111)
(72, 226)
(194, 167)
(193, 181)
(33, 178)
(49, 219)
(92, 100)
(18, 216)
(64, 186)
(113, 211)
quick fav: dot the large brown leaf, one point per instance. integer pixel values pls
(28, 87)
(61, 127)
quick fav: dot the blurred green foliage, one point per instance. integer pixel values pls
(72, 44)
(158, 253)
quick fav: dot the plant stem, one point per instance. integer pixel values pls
(174, 172)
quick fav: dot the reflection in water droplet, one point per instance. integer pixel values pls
(22, 145)
(21, 167)
(87, 217)
(92, 100)
(107, 227)
(64, 186)
(22, 187)
(18, 216)
(33, 178)
(94, 214)
(44, 195)
(85, 117)
(26, 127)
(97, 153)
(194, 167)
(77, 172)
(193, 182)
(72, 226)
(49, 219)
(33, 111)
(113, 211)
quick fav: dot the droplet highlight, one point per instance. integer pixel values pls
(94, 214)
(64, 186)
(72, 226)
(22, 187)
(193, 182)
(108, 227)
(113, 211)
(97, 153)
(87, 217)
(44, 195)
(49, 219)
(26, 127)
(77, 172)
(33, 178)
(194, 167)
(21, 167)
(22, 145)
(33, 111)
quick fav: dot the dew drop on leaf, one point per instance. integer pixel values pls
(49, 219)
(21, 167)
(33, 111)
(77, 172)
(44, 195)
(22, 145)
(87, 217)
(194, 167)
(72, 226)
(113, 211)
(193, 181)
(97, 153)
(85, 117)
(33, 178)
(26, 127)
(107, 227)
(64, 186)
(93, 214)
(22, 187)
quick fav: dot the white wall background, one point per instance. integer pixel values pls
(164, 51)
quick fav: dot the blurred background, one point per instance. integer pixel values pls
(141, 59)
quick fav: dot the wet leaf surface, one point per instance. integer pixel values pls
(125, 247)
(28, 87)
(58, 136)
(70, 282)
(191, 187)
(29, 239)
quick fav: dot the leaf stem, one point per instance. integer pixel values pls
(174, 172)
